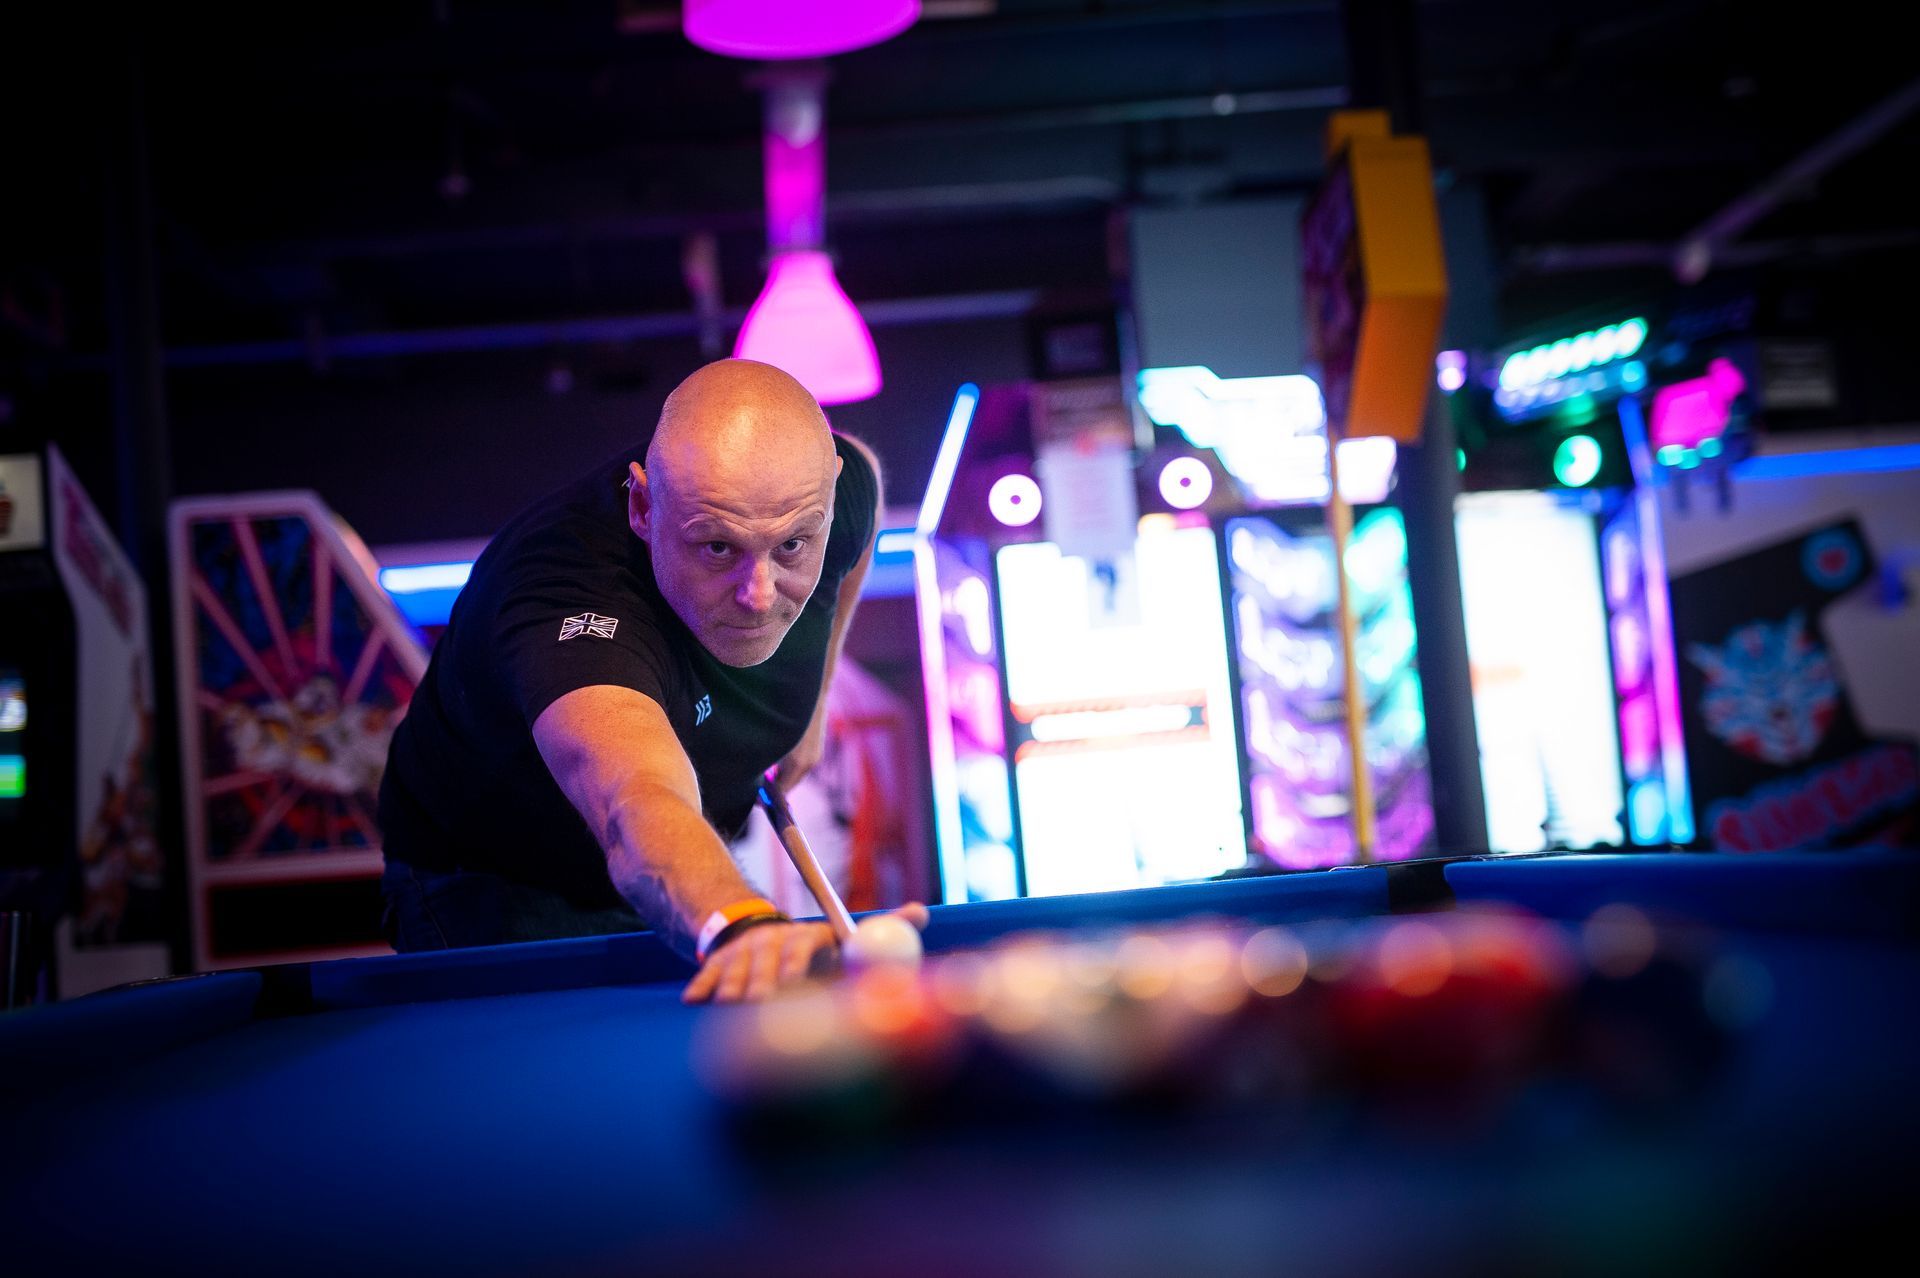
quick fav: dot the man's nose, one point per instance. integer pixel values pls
(756, 593)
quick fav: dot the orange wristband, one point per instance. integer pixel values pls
(722, 919)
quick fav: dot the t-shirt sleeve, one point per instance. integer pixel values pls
(856, 496)
(555, 632)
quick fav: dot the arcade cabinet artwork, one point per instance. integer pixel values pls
(294, 668)
(1779, 758)
(79, 856)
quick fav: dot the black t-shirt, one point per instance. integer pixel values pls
(564, 598)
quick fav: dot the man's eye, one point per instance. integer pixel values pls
(793, 545)
(718, 549)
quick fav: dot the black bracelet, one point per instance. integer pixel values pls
(738, 926)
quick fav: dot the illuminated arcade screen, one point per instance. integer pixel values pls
(1543, 697)
(1126, 772)
(1293, 688)
(13, 725)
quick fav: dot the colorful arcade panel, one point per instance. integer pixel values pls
(80, 857)
(295, 667)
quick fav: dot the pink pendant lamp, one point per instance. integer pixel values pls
(779, 29)
(803, 321)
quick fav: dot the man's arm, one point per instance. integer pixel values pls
(617, 760)
(805, 756)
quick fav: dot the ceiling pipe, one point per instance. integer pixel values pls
(1697, 251)
(945, 308)
(1556, 259)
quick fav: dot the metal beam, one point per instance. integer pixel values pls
(573, 332)
(1696, 251)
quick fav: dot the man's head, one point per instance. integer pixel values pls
(735, 502)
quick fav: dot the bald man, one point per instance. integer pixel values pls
(628, 658)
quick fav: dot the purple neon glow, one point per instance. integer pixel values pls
(1186, 483)
(944, 768)
(779, 29)
(1014, 500)
(794, 158)
(1688, 412)
(1452, 366)
(1666, 669)
(1623, 566)
(803, 322)
(1639, 736)
(1630, 651)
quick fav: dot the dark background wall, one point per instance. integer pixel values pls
(398, 176)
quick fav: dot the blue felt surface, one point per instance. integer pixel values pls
(42, 1045)
(1833, 893)
(491, 1131)
(531, 1109)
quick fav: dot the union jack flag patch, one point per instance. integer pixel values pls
(588, 623)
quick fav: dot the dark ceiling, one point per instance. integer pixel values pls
(421, 164)
(344, 171)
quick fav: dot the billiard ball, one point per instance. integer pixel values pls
(883, 939)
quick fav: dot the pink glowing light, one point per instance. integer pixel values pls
(778, 29)
(1686, 413)
(1639, 736)
(1631, 651)
(1014, 500)
(1186, 483)
(803, 322)
(1451, 369)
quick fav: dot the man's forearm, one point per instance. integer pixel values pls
(669, 864)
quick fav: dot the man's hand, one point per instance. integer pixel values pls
(762, 959)
(759, 961)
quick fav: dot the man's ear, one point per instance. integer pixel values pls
(639, 501)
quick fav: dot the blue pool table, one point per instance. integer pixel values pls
(532, 1109)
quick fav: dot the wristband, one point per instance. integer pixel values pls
(722, 921)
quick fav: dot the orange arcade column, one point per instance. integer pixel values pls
(1375, 295)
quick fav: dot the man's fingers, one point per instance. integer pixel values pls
(700, 988)
(763, 966)
(759, 963)
(736, 968)
(915, 913)
(797, 955)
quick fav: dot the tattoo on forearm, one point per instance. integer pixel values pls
(650, 896)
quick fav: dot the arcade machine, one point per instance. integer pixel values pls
(1142, 664)
(1131, 668)
(82, 873)
(1794, 555)
(1564, 585)
(295, 667)
(1268, 434)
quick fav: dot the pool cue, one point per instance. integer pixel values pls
(773, 801)
(1340, 524)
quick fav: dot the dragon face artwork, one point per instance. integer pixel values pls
(1771, 691)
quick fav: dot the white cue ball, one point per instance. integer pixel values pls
(884, 938)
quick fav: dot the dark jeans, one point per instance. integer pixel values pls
(430, 910)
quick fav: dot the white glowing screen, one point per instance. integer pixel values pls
(1269, 432)
(1542, 682)
(1131, 776)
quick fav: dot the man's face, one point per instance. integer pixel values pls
(737, 545)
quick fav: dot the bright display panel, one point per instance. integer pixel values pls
(1543, 682)
(1293, 688)
(13, 725)
(1125, 767)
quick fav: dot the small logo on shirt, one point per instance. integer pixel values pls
(588, 623)
(701, 709)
